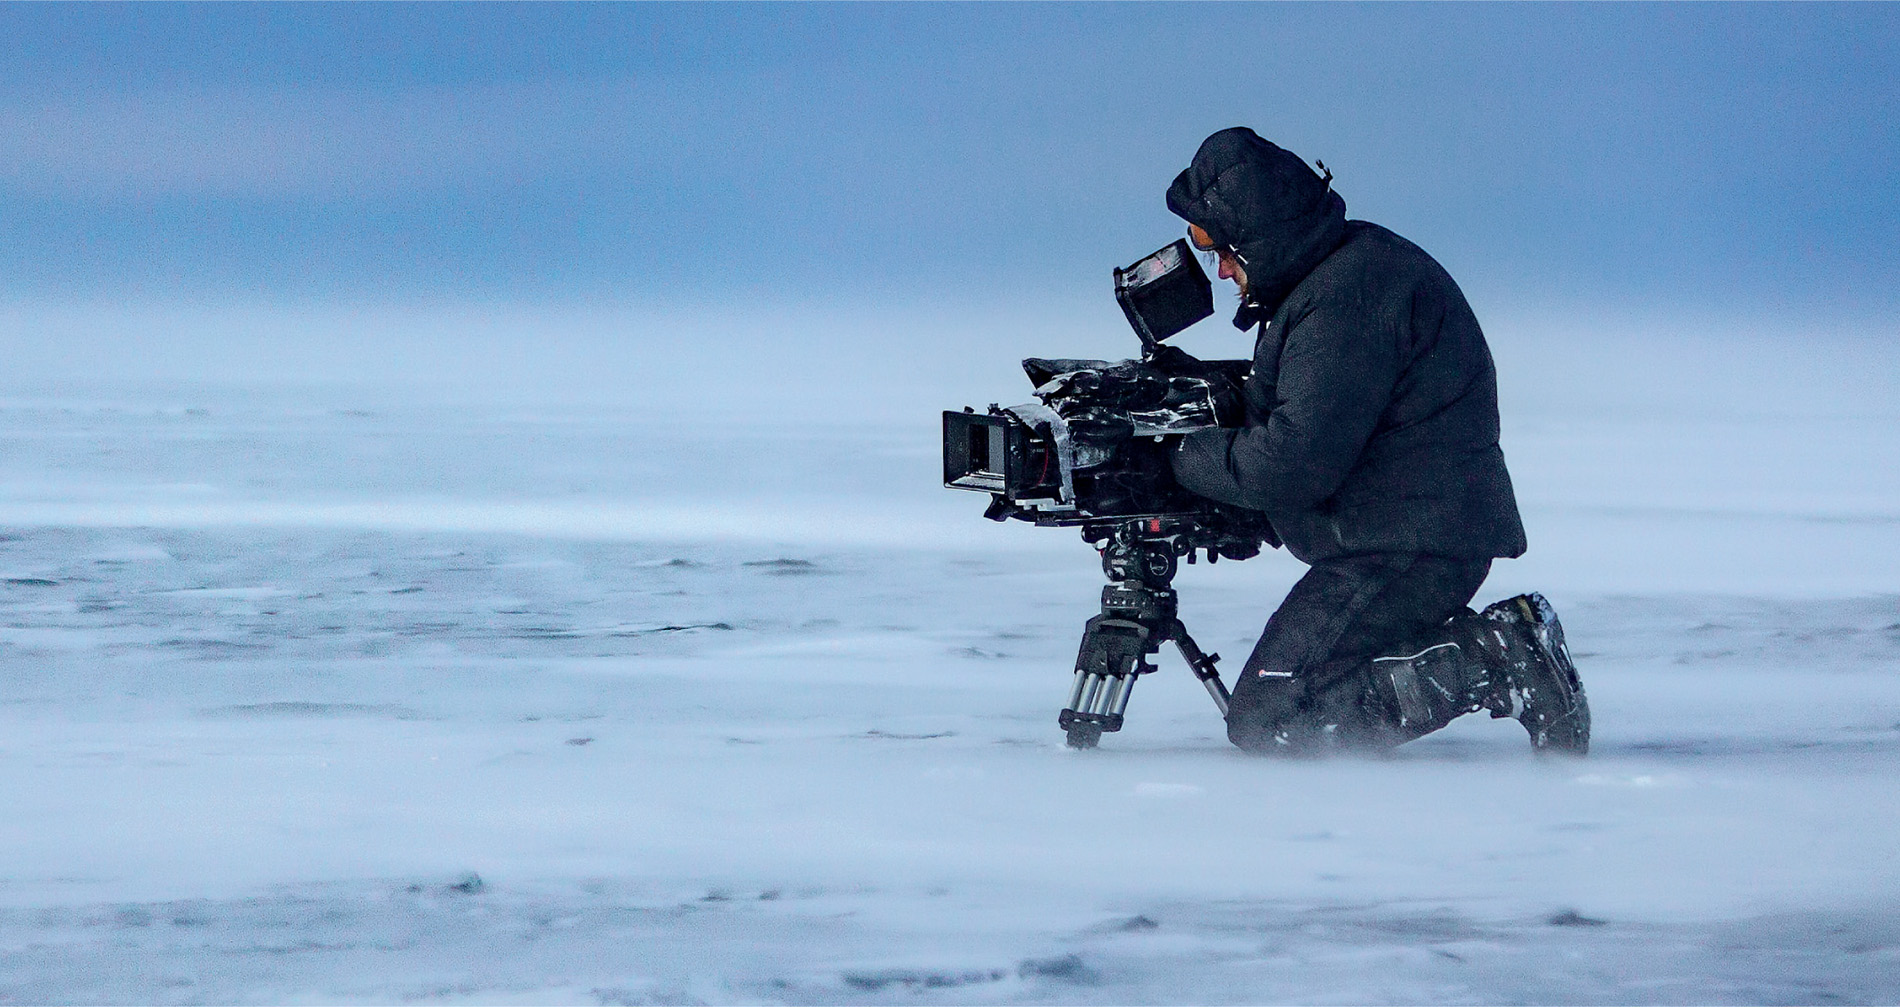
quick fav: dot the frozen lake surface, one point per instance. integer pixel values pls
(330, 697)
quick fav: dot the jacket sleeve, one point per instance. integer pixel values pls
(1201, 466)
(1338, 368)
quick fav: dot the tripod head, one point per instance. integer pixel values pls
(1148, 550)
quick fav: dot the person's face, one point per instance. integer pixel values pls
(1230, 268)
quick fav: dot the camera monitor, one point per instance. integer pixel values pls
(1164, 293)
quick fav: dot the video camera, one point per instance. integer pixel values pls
(1093, 451)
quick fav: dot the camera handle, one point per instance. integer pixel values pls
(1139, 614)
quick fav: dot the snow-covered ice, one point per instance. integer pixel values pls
(342, 696)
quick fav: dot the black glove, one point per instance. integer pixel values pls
(1176, 362)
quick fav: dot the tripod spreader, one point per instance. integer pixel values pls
(1139, 614)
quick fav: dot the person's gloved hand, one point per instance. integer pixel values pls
(1173, 360)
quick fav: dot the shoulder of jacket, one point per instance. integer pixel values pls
(1372, 265)
(1368, 243)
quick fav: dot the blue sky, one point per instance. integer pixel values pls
(1708, 157)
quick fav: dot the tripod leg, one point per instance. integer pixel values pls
(1082, 733)
(1105, 669)
(1202, 665)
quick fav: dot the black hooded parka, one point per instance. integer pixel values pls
(1372, 407)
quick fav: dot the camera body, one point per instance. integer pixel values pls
(1093, 449)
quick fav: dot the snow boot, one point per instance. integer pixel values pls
(1532, 678)
(1430, 686)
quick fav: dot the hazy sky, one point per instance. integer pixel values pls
(1704, 156)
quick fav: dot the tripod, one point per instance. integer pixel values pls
(1138, 616)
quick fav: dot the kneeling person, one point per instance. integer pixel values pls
(1371, 442)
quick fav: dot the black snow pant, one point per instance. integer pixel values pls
(1306, 688)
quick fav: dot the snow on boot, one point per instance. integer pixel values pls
(1427, 689)
(1522, 639)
